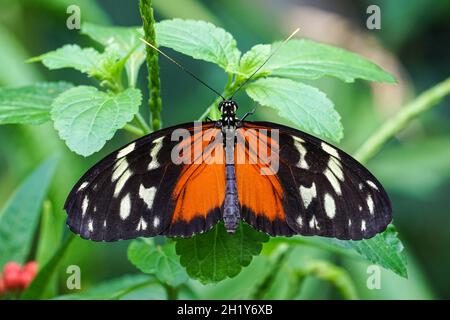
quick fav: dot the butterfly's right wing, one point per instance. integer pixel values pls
(139, 191)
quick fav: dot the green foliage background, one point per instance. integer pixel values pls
(414, 167)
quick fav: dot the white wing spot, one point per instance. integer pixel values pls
(313, 223)
(104, 223)
(157, 145)
(84, 206)
(349, 222)
(120, 184)
(335, 166)
(83, 186)
(330, 150)
(122, 153)
(142, 225)
(370, 204)
(371, 184)
(148, 195)
(334, 181)
(91, 225)
(302, 150)
(300, 221)
(308, 194)
(156, 222)
(119, 169)
(359, 208)
(125, 207)
(330, 206)
(360, 186)
(363, 225)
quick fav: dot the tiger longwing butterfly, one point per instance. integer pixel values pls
(183, 180)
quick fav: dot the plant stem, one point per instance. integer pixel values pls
(141, 122)
(154, 84)
(422, 103)
(172, 292)
(134, 130)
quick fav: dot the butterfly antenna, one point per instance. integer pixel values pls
(181, 67)
(267, 60)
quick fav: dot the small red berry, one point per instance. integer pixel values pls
(11, 275)
(2, 286)
(25, 279)
(30, 268)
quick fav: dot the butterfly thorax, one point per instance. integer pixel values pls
(231, 211)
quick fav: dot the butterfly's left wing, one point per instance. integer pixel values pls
(311, 187)
(140, 191)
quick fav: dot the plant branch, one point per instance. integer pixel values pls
(422, 103)
(134, 130)
(154, 84)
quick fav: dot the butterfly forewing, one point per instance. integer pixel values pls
(325, 191)
(130, 193)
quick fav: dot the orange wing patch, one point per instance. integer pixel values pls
(262, 194)
(201, 186)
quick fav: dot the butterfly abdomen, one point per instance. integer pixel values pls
(231, 209)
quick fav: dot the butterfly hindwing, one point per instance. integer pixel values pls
(130, 193)
(325, 191)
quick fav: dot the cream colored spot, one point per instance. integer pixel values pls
(330, 150)
(300, 221)
(91, 225)
(371, 184)
(313, 224)
(363, 225)
(119, 168)
(125, 151)
(330, 206)
(333, 181)
(142, 225)
(335, 166)
(125, 207)
(83, 186)
(148, 195)
(121, 183)
(298, 143)
(157, 145)
(308, 194)
(370, 204)
(156, 222)
(84, 206)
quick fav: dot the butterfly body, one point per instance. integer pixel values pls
(183, 180)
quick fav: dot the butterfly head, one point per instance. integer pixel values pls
(228, 110)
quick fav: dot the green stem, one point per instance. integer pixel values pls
(141, 122)
(134, 130)
(172, 292)
(154, 84)
(424, 102)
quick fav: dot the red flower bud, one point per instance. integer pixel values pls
(31, 268)
(11, 276)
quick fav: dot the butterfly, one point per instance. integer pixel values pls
(183, 180)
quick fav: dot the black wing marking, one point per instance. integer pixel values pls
(128, 193)
(327, 192)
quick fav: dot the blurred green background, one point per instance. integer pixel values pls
(415, 168)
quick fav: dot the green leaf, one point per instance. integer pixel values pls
(106, 66)
(306, 59)
(112, 289)
(86, 118)
(161, 261)
(385, 249)
(29, 104)
(71, 56)
(50, 233)
(253, 59)
(306, 107)
(41, 285)
(20, 217)
(125, 40)
(200, 40)
(216, 255)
